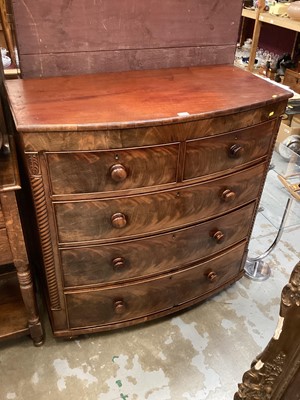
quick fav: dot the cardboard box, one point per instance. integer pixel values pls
(286, 131)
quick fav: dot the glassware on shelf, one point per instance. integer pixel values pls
(246, 48)
(6, 61)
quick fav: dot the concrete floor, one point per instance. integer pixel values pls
(197, 354)
(200, 353)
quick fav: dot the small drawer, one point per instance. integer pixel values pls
(117, 262)
(5, 252)
(125, 217)
(105, 171)
(145, 298)
(226, 152)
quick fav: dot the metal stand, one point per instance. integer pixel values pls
(255, 268)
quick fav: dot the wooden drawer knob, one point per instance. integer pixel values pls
(118, 220)
(119, 306)
(218, 236)
(236, 151)
(118, 264)
(118, 172)
(228, 195)
(212, 276)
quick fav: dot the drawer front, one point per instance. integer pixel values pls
(136, 215)
(5, 252)
(138, 258)
(102, 171)
(136, 300)
(151, 135)
(228, 151)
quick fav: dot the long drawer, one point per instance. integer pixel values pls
(141, 299)
(104, 171)
(107, 219)
(121, 261)
(228, 151)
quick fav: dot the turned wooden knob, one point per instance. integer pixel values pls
(118, 264)
(212, 276)
(236, 151)
(118, 220)
(118, 172)
(218, 236)
(228, 195)
(119, 306)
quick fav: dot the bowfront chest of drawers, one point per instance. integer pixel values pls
(145, 186)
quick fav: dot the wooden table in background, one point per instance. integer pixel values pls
(18, 308)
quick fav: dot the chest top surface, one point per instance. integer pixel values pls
(136, 98)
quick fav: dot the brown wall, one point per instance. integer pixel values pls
(63, 37)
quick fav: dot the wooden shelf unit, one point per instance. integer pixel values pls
(267, 18)
(283, 22)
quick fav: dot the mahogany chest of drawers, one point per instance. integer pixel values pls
(145, 185)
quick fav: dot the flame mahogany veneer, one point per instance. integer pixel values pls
(145, 186)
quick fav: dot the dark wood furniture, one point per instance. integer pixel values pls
(292, 79)
(275, 373)
(145, 184)
(18, 308)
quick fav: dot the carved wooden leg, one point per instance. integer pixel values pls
(20, 260)
(27, 292)
(276, 373)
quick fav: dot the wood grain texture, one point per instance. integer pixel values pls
(40, 203)
(130, 99)
(18, 256)
(91, 220)
(5, 251)
(2, 223)
(14, 229)
(87, 140)
(91, 171)
(84, 37)
(9, 176)
(18, 307)
(97, 307)
(142, 209)
(13, 318)
(228, 152)
(143, 167)
(83, 266)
